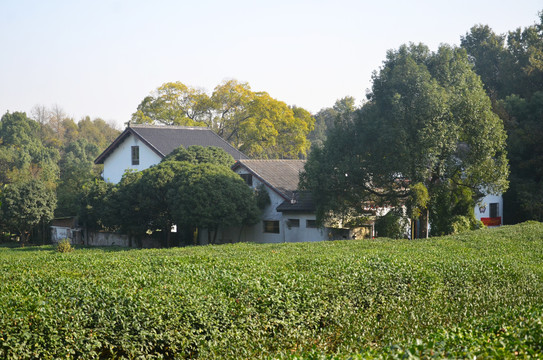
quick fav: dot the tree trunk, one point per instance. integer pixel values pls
(215, 235)
(424, 224)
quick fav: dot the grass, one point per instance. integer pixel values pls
(474, 294)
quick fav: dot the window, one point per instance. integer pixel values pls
(311, 223)
(271, 226)
(135, 155)
(494, 210)
(293, 223)
(248, 178)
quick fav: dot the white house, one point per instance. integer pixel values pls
(290, 215)
(490, 210)
(141, 146)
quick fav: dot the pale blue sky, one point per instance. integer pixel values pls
(101, 58)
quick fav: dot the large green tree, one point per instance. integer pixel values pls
(23, 156)
(24, 205)
(76, 169)
(191, 188)
(427, 121)
(511, 67)
(208, 196)
(325, 119)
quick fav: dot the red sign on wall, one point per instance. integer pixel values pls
(492, 221)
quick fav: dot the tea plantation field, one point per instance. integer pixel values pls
(475, 294)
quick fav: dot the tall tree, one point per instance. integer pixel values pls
(25, 205)
(513, 75)
(253, 122)
(174, 103)
(209, 196)
(23, 156)
(428, 120)
(325, 119)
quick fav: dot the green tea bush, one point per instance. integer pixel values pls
(473, 294)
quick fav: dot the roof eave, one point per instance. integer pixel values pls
(119, 140)
(239, 163)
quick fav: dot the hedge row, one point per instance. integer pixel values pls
(478, 293)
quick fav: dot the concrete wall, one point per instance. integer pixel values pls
(121, 159)
(114, 239)
(59, 233)
(107, 239)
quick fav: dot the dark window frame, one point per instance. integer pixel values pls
(311, 224)
(271, 226)
(248, 178)
(494, 210)
(293, 223)
(135, 155)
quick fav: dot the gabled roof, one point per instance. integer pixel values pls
(164, 139)
(282, 176)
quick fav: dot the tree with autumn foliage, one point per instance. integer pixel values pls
(253, 122)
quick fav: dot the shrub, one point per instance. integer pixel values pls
(64, 246)
(460, 224)
(389, 225)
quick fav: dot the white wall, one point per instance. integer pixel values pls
(255, 233)
(121, 159)
(482, 210)
(302, 233)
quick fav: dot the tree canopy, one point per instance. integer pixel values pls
(25, 204)
(428, 121)
(197, 154)
(511, 67)
(253, 122)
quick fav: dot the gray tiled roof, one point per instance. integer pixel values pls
(164, 139)
(300, 202)
(282, 175)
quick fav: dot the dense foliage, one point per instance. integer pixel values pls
(428, 124)
(511, 67)
(25, 205)
(50, 156)
(191, 188)
(254, 122)
(471, 295)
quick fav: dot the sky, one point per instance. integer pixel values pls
(100, 58)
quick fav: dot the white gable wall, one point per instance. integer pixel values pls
(482, 210)
(121, 159)
(256, 232)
